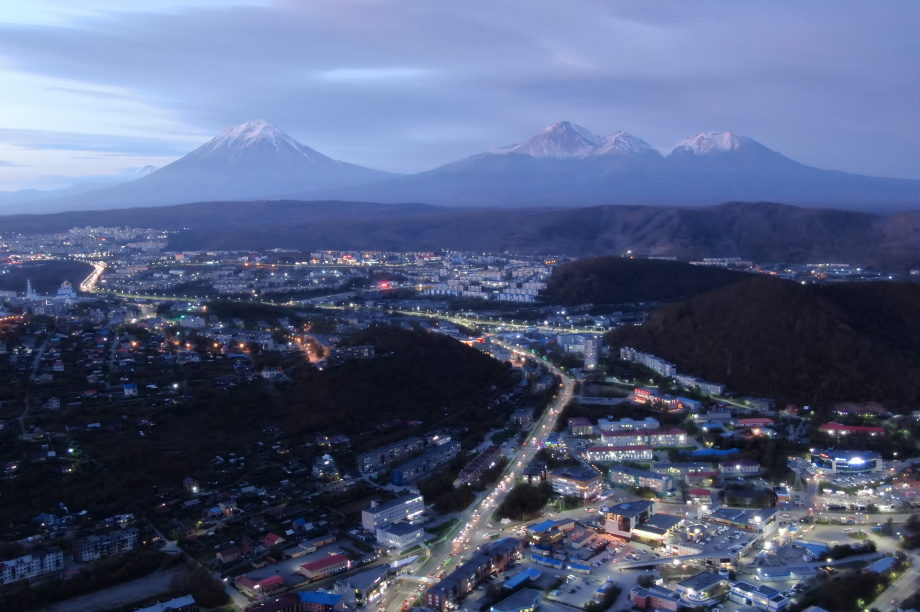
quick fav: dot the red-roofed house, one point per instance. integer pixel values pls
(252, 588)
(837, 429)
(273, 539)
(324, 566)
(700, 496)
(755, 422)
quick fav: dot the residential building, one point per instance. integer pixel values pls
(324, 567)
(418, 467)
(535, 473)
(523, 418)
(628, 424)
(739, 467)
(667, 438)
(381, 515)
(473, 471)
(624, 438)
(654, 598)
(385, 457)
(576, 481)
(341, 353)
(656, 364)
(622, 475)
(606, 454)
(837, 430)
(103, 545)
(34, 565)
(592, 344)
(580, 426)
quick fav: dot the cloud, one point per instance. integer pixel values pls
(67, 141)
(404, 85)
(7, 164)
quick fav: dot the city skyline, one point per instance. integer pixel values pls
(404, 88)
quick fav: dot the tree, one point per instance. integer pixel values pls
(913, 522)
(646, 581)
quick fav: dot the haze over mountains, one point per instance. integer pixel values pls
(563, 165)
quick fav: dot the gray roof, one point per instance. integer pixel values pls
(525, 598)
(701, 581)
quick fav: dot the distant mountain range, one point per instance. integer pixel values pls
(761, 231)
(563, 165)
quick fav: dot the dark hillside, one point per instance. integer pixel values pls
(417, 375)
(618, 280)
(804, 344)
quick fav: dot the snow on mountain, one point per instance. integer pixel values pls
(567, 140)
(623, 143)
(254, 160)
(714, 143)
(560, 140)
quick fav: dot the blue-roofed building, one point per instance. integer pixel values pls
(542, 527)
(179, 604)
(883, 565)
(763, 597)
(321, 601)
(526, 575)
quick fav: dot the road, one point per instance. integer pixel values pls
(149, 586)
(473, 524)
(900, 589)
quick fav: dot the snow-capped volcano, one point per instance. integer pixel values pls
(560, 140)
(624, 144)
(254, 160)
(714, 143)
(565, 139)
(249, 134)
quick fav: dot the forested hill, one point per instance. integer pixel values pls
(806, 344)
(416, 376)
(618, 280)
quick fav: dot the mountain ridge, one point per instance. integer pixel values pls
(563, 165)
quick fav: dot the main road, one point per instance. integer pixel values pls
(473, 524)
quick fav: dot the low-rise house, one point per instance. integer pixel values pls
(324, 567)
(254, 588)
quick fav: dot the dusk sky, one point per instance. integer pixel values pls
(94, 88)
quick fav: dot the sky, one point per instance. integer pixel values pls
(100, 88)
